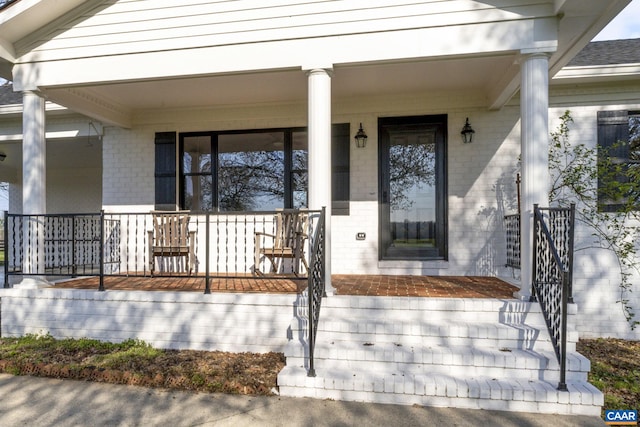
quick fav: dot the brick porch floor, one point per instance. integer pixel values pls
(369, 285)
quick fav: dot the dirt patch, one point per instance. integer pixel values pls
(615, 370)
(206, 371)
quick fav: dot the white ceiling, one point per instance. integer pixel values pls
(291, 85)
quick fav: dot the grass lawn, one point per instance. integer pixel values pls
(615, 366)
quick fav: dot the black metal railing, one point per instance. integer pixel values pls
(512, 228)
(316, 288)
(553, 230)
(119, 244)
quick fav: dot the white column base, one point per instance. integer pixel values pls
(32, 282)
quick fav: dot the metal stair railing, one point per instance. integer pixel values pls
(552, 274)
(512, 229)
(316, 287)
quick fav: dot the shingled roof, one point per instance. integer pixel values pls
(608, 52)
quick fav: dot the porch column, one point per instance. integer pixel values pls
(33, 188)
(534, 145)
(319, 105)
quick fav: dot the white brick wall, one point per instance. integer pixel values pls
(128, 163)
(596, 272)
(226, 322)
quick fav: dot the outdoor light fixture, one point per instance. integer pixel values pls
(467, 132)
(2, 157)
(361, 138)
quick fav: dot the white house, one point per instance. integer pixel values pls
(121, 97)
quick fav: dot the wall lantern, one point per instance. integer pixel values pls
(361, 138)
(467, 132)
(2, 157)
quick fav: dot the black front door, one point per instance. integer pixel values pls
(412, 187)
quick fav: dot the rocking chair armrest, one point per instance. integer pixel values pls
(260, 233)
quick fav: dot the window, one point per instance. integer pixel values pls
(249, 170)
(618, 160)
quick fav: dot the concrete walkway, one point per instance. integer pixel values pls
(46, 402)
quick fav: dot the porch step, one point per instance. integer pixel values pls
(435, 389)
(469, 353)
(476, 322)
(466, 361)
(443, 332)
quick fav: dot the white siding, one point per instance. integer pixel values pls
(149, 25)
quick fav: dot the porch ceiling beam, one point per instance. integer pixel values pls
(508, 85)
(83, 101)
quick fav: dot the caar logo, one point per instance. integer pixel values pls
(621, 417)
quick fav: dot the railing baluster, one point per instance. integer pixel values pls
(7, 249)
(101, 284)
(207, 279)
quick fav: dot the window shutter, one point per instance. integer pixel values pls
(165, 171)
(340, 187)
(613, 126)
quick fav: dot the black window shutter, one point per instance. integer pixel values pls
(613, 126)
(340, 187)
(165, 171)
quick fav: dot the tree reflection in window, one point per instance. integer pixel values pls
(196, 164)
(411, 168)
(251, 180)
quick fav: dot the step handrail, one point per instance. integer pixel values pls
(551, 283)
(316, 287)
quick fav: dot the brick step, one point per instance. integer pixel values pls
(436, 389)
(436, 309)
(393, 358)
(478, 334)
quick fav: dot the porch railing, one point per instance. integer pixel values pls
(512, 228)
(553, 230)
(316, 288)
(117, 244)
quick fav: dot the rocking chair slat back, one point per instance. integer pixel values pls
(171, 237)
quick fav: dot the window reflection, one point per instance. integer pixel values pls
(251, 171)
(412, 180)
(299, 170)
(256, 170)
(196, 164)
